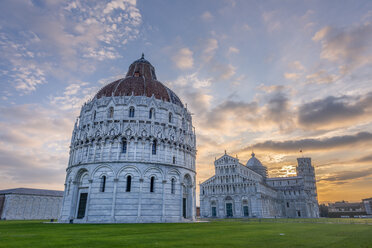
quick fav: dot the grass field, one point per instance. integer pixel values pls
(231, 233)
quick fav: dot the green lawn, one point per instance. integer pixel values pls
(232, 233)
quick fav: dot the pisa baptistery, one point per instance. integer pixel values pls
(132, 155)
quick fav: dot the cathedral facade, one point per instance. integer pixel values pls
(238, 191)
(132, 155)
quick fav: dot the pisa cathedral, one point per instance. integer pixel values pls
(132, 155)
(237, 191)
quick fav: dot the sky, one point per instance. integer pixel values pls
(275, 77)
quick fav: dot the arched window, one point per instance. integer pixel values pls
(94, 115)
(103, 184)
(152, 114)
(111, 112)
(172, 186)
(174, 160)
(170, 118)
(154, 148)
(152, 184)
(129, 183)
(131, 112)
(124, 146)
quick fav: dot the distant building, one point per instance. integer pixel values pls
(30, 204)
(345, 209)
(238, 190)
(368, 205)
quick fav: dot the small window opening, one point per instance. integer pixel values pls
(129, 183)
(131, 112)
(151, 114)
(172, 186)
(154, 148)
(103, 184)
(152, 181)
(111, 112)
(124, 146)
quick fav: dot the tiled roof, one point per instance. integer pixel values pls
(27, 191)
(140, 81)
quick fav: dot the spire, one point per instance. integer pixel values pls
(143, 56)
(253, 154)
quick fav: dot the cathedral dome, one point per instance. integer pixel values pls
(256, 165)
(253, 161)
(140, 81)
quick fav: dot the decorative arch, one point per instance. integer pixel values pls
(102, 166)
(173, 171)
(128, 173)
(148, 174)
(187, 179)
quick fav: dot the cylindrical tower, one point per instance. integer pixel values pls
(132, 154)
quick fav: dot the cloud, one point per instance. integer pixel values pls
(350, 47)
(193, 91)
(70, 36)
(210, 49)
(246, 27)
(321, 34)
(332, 112)
(184, 58)
(277, 109)
(271, 20)
(233, 50)
(296, 65)
(347, 175)
(292, 76)
(365, 159)
(207, 16)
(314, 144)
(28, 77)
(321, 77)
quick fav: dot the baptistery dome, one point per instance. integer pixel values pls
(132, 154)
(140, 81)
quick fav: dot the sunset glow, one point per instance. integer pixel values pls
(275, 77)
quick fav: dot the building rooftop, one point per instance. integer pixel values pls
(140, 81)
(28, 191)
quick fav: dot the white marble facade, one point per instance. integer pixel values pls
(30, 204)
(132, 156)
(244, 191)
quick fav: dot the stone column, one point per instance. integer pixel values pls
(163, 205)
(88, 200)
(73, 200)
(87, 157)
(181, 201)
(135, 150)
(114, 200)
(95, 150)
(128, 147)
(119, 150)
(109, 157)
(193, 203)
(102, 148)
(139, 201)
(151, 156)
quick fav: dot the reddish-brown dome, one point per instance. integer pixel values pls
(140, 81)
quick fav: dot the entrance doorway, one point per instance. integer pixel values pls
(184, 207)
(82, 205)
(229, 210)
(214, 212)
(245, 211)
